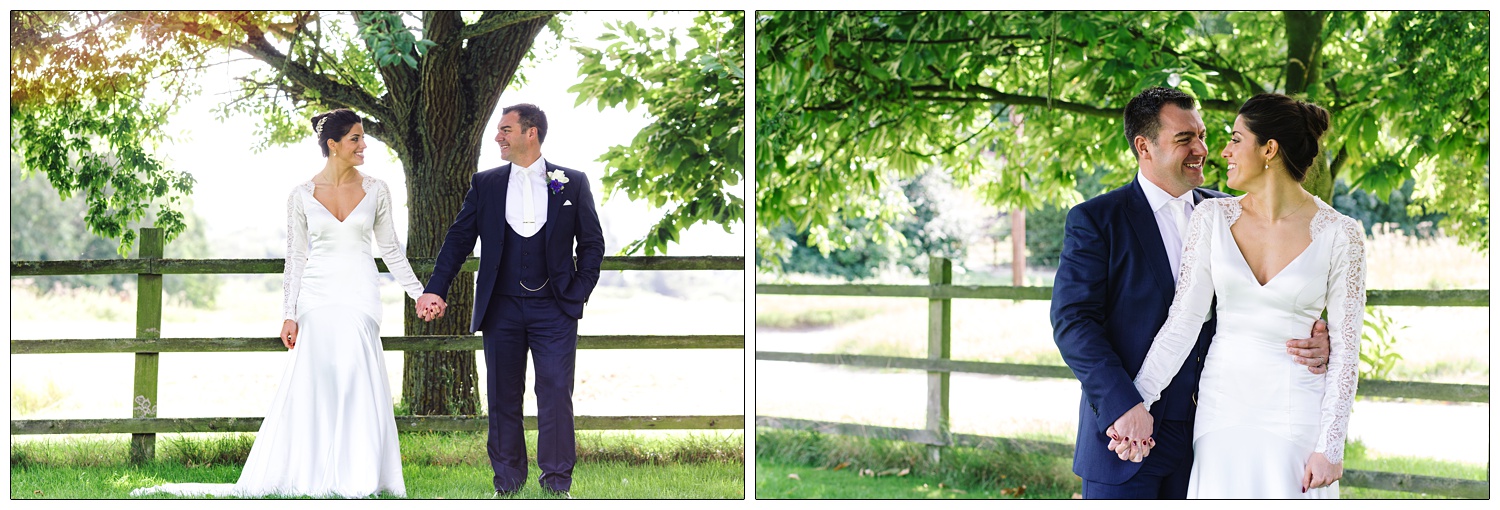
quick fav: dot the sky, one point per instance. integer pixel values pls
(241, 194)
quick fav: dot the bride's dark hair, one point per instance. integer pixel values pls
(333, 126)
(1297, 126)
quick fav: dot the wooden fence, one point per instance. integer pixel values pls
(143, 425)
(940, 293)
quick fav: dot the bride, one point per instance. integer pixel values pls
(1276, 258)
(330, 430)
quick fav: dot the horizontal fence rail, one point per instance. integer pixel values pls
(403, 424)
(1402, 482)
(148, 346)
(277, 266)
(1367, 387)
(391, 343)
(1453, 297)
(939, 365)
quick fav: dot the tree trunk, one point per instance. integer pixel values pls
(456, 91)
(1304, 45)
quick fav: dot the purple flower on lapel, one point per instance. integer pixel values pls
(558, 179)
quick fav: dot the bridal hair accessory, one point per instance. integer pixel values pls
(558, 179)
(320, 124)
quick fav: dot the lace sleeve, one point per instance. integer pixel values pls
(296, 254)
(1346, 312)
(391, 250)
(1195, 292)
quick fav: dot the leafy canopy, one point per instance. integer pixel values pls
(1016, 104)
(89, 101)
(695, 148)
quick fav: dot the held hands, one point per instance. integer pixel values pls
(1320, 473)
(1312, 352)
(289, 333)
(1130, 435)
(431, 306)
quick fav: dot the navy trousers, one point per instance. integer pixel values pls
(512, 326)
(1163, 475)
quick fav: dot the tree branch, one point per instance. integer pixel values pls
(257, 46)
(943, 41)
(492, 23)
(400, 80)
(995, 96)
(377, 129)
(1231, 75)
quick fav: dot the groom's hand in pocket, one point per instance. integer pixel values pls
(1311, 352)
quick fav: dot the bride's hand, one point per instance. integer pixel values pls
(1320, 473)
(289, 333)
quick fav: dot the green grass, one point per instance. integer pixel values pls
(824, 459)
(776, 480)
(830, 466)
(1458, 370)
(652, 465)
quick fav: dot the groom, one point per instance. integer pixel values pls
(1113, 287)
(530, 292)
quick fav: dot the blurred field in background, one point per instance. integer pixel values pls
(1438, 344)
(609, 382)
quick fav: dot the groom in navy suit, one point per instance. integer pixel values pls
(1114, 285)
(532, 286)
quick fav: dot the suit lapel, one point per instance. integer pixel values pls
(1148, 235)
(554, 204)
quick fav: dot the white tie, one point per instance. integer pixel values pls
(528, 207)
(1179, 216)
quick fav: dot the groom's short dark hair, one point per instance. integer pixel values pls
(530, 117)
(1143, 112)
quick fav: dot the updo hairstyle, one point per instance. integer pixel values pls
(333, 126)
(1297, 126)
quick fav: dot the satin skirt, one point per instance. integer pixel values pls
(1257, 422)
(331, 430)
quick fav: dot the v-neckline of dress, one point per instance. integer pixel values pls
(1246, 262)
(330, 211)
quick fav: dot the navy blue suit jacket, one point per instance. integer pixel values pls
(1113, 288)
(573, 275)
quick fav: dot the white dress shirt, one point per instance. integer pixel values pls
(530, 180)
(1168, 214)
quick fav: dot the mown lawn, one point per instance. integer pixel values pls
(435, 466)
(808, 465)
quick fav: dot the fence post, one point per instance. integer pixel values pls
(939, 346)
(147, 325)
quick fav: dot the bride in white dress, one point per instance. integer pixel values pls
(330, 431)
(1265, 426)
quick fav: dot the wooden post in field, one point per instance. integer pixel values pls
(1018, 247)
(939, 347)
(147, 325)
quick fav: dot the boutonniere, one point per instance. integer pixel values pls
(557, 182)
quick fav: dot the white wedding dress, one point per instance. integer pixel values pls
(330, 431)
(1260, 415)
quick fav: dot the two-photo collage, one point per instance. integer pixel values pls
(743, 256)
